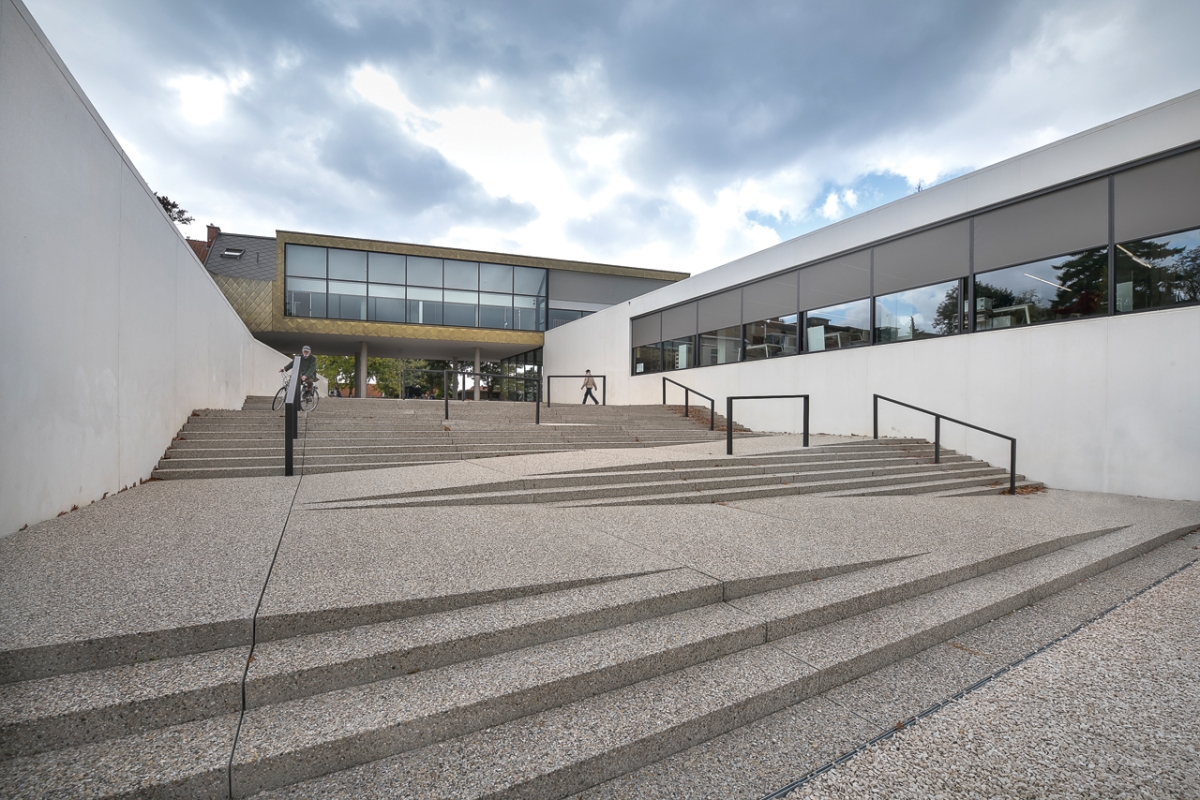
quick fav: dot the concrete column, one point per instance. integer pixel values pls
(476, 373)
(360, 371)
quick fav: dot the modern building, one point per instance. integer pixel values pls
(347, 296)
(1054, 297)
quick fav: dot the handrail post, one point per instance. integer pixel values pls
(937, 438)
(712, 415)
(875, 415)
(687, 393)
(446, 393)
(1012, 468)
(291, 420)
(603, 390)
(806, 420)
(549, 384)
(664, 382)
(728, 426)
(537, 396)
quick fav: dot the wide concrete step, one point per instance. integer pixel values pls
(551, 718)
(610, 731)
(639, 485)
(733, 469)
(947, 475)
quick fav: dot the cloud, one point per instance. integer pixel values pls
(652, 132)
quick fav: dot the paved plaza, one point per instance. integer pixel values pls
(848, 615)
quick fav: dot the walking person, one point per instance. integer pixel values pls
(589, 384)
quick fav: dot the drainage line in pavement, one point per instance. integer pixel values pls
(254, 619)
(890, 732)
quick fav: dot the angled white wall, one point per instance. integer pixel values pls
(112, 330)
(1104, 404)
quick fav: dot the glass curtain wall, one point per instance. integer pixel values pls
(924, 313)
(838, 327)
(1067, 287)
(335, 283)
(1015, 283)
(1158, 272)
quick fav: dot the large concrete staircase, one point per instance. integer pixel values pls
(343, 434)
(541, 695)
(862, 468)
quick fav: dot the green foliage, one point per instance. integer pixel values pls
(173, 210)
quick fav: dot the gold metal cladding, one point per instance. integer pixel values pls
(399, 330)
(251, 299)
(401, 248)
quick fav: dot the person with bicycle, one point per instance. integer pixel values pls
(308, 367)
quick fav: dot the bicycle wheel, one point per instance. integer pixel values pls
(308, 400)
(280, 396)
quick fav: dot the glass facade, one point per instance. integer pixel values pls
(679, 353)
(335, 283)
(769, 338)
(919, 313)
(838, 327)
(1159, 272)
(921, 285)
(721, 346)
(1043, 291)
(561, 316)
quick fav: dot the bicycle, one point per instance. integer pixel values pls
(308, 395)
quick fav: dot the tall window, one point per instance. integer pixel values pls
(1067, 287)
(337, 283)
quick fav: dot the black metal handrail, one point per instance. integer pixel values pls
(729, 414)
(687, 390)
(937, 435)
(291, 418)
(603, 386)
(537, 395)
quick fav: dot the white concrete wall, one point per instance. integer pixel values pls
(1105, 404)
(112, 331)
(1109, 404)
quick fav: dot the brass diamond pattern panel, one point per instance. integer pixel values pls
(250, 299)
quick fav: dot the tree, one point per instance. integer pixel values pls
(173, 210)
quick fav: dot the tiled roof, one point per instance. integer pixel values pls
(257, 261)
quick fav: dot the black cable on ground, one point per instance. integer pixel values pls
(254, 618)
(890, 732)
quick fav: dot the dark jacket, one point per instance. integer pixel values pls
(308, 367)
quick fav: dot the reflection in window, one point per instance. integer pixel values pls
(561, 316)
(495, 310)
(772, 337)
(424, 271)
(837, 327)
(424, 306)
(460, 308)
(385, 303)
(647, 358)
(679, 353)
(721, 346)
(386, 268)
(529, 313)
(347, 300)
(305, 297)
(1164, 271)
(496, 278)
(304, 261)
(1067, 287)
(918, 313)
(347, 265)
(460, 275)
(529, 280)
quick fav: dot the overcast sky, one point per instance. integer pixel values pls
(672, 135)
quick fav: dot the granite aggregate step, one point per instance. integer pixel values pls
(563, 750)
(657, 483)
(969, 474)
